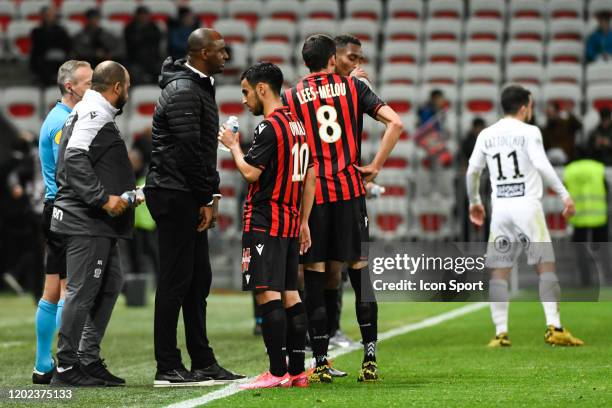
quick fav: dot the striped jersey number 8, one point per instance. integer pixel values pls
(300, 155)
(327, 118)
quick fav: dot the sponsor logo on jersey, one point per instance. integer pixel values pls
(259, 248)
(261, 127)
(511, 190)
(93, 114)
(97, 273)
(246, 259)
(502, 243)
(58, 137)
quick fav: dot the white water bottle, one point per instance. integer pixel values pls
(231, 123)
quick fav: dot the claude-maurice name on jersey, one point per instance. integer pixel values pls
(324, 91)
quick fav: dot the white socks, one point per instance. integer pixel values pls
(498, 295)
(550, 293)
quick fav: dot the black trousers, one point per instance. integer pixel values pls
(184, 280)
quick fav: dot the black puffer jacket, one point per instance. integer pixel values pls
(185, 127)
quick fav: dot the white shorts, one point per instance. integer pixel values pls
(517, 226)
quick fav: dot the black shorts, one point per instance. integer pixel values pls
(269, 263)
(337, 231)
(55, 245)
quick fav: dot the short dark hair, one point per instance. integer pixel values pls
(107, 74)
(436, 93)
(92, 13)
(265, 72)
(513, 97)
(345, 39)
(317, 50)
(604, 114)
(478, 121)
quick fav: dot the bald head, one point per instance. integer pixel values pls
(202, 38)
(207, 51)
(107, 74)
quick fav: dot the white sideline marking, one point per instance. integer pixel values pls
(430, 321)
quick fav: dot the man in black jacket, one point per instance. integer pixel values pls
(182, 192)
(93, 170)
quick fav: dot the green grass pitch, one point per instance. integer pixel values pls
(445, 365)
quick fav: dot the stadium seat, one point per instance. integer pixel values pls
(432, 218)
(290, 75)
(136, 125)
(388, 215)
(481, 74)
(566, 29)
(238, 61)
(443, 52)
(484, 29)
(404, 30)
(234, 30)
(407, 52)
(527, 29)
(143, 99)
(321, 9)
(208, 11)
(118, 10)
(565, 51)
(228, 99)
(401, 74)
(276, 30)
(487, 52)
(443, 29)
(249, 11)
(365, 30)
(74, 10)
(309, 27)
(30, 10)
(488, 9)
(161, 10)
(22, 107)
(480, 99)
(8, 12)
(290, 10)
(228, 220)
(564, 72)
(364, 9)
(274, 52)
(528, 8)
(405, 9)
(569, 96)
(596, 6)
(599, 96)
(51, 95)
(521, 51)
(590, 121)
(440, 73)
(18, 37)
(370, 53)
(445, 9)
(599, 72)
(230, 182)
(531, 73)
(399, 97)
(571, 9)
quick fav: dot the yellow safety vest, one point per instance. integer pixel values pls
(586, 183)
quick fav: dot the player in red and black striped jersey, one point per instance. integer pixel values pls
(276, 166)
(332, 107)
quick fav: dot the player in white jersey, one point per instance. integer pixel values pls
(514, 154)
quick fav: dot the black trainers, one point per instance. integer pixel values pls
(98, 370)
(75, 377)
(180, 377)
(219, 374)
(42, 378)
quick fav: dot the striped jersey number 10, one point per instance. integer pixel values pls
(329, 129)
(300, 155)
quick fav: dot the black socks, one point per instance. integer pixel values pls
(296, 337)
(367, 313)
(274, 329)
(332, 306)
(314, 283)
